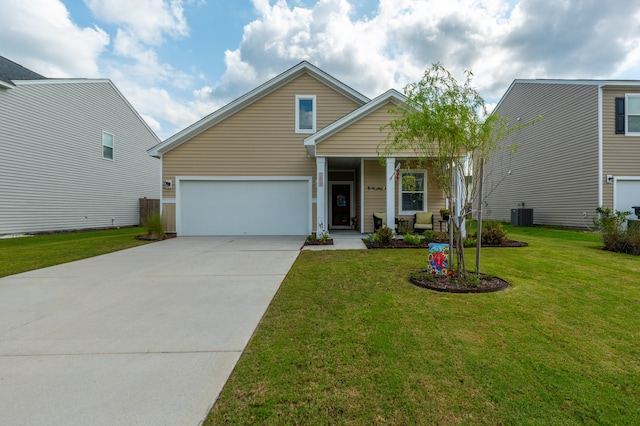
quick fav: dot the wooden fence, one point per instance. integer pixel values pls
(148, 206)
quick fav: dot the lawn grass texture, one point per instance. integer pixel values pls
(29, 253)
(348, 340)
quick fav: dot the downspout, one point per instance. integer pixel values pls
(161, 187)
(361, 221)
(600, 148)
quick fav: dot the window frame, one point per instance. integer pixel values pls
(311, 98)
(401, 191)
(627, 114)
(107, 146)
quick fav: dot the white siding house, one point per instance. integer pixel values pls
(72, 154)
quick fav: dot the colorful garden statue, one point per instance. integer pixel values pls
(438, 259)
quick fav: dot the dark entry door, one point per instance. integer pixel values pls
(341, 204)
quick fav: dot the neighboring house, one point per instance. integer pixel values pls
(296, 155)
(584, 153)
(72, 154)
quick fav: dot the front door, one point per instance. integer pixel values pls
(341, 205)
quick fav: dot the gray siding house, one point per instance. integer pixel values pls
(584, 153)
(72, 154)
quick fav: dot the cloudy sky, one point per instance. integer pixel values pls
(179, 60)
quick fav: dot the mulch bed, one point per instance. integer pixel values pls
(329, 242)
(449, 285)
(424, 244)
(147, 237)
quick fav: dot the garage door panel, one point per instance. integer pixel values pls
(244, 207)
(627, 194)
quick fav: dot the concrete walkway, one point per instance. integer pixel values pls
(342, 240)
(145, 336)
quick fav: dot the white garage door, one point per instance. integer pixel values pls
(244, 207)
(626, 194)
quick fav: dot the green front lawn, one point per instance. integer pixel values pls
(348, 340)
(28, 253)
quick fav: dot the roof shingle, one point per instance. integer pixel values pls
(9, 70)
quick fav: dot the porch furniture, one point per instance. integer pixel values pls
(404, 225)
(379, 219)
(423, 221)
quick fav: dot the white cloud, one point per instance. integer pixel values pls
(146, 21)
(498, 40)
(40, 35)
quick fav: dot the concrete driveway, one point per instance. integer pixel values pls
(145, 336)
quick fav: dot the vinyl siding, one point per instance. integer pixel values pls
(621, 154)
(555, 168)
(259, 140)
(51, 166)
(169, 217)
(362, 138)
(375, 200)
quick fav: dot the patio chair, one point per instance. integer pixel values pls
(379, 220)
(423, 221)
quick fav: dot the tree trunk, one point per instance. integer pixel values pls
(479, 234)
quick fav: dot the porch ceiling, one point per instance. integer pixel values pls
(341, 163)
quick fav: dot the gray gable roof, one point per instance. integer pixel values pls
(9, 70)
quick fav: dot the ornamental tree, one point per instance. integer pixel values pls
(446, 125)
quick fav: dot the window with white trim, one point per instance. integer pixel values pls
(107, 146)
(632, 110)
(305, 114)
(413, 192)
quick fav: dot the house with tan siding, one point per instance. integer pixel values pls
(584, 153)
(296, 155)
(73, 154)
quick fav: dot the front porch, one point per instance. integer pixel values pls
(350, 190)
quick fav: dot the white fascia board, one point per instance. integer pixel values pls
(4, 85)
(253, 96)
(45, 81)
(391, 95)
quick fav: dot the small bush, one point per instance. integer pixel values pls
(384, 235)
(412, 239)
(615, 236)
(435, 236)
(324, 237)
(154, 226)
(634, 239)
(492, 233)
(469, 242)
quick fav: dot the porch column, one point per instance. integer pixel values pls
(391, 192)
(321, 191)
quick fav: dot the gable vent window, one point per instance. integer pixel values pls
(632, 109)
(305, 114)
(107, 146)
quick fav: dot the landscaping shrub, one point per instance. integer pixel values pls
(412, 239)
(435, 236)
(384, 235)
(470, 242)
(493, 233)
(154, 226)
(615, 235)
